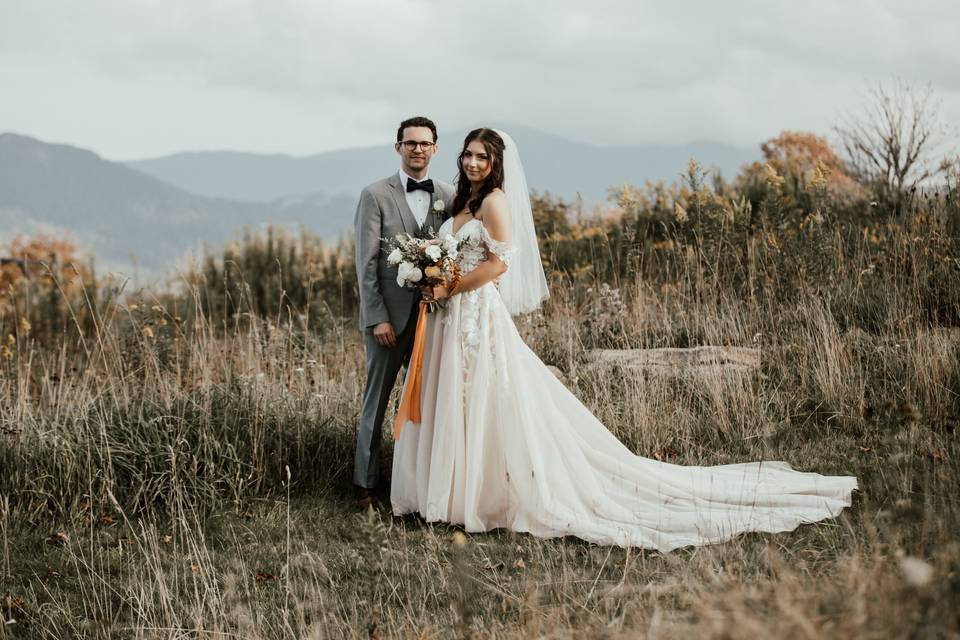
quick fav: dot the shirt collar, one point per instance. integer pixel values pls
(404, 177)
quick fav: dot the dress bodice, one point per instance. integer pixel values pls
(475, 241)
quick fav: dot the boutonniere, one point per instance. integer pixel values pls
(438, 206)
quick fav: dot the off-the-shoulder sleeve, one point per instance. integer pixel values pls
(503, 250)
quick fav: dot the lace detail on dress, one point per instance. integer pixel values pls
(473, 328)
(470, 319)
(476, 241)
(503, 250)
(469, 336)
(472, 252)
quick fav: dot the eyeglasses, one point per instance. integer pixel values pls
(411, 145)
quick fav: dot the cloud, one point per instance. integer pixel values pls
(606, 71)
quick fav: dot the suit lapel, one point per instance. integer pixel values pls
(431, 220)
(437, 219)
(407, 218)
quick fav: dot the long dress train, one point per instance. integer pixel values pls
(503, 443)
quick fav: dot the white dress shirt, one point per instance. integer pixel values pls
(418, 200)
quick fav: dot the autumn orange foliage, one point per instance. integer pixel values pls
(799, 164)
(800, 155)
(40, 259)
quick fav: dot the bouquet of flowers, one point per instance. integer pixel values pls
(426, 261)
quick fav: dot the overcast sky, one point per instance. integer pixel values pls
(137, 78)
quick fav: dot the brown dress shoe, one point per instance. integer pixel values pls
(366, 498)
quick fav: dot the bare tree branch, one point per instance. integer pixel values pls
(895, 144)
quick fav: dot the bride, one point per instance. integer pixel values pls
(502, 443)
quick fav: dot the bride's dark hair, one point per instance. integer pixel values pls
(493, 144)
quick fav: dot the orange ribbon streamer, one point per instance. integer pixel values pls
(410, 403)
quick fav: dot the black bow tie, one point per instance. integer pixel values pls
(413, 185)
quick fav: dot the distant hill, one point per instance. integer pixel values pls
(158, 209)
(552, 163)
(118, 211)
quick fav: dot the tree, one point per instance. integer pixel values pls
(41, 258)
(893, 146)
(797, 156)
(798, 169)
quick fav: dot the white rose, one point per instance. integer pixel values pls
(403, 272)
(438, 206)
(395, 256)
(415, 275)
(450, 246)
(433, 252)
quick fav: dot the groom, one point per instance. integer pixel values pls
(405, 202)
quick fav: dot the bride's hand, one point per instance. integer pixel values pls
(441, 292)
(427, 293)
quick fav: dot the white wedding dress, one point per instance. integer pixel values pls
(502, 443)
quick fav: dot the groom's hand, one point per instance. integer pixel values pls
(384, 335)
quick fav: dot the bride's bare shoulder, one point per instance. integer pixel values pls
(495, 201)
(494, 214)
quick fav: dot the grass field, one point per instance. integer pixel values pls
(168, 475)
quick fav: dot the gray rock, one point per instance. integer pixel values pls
(672, 360)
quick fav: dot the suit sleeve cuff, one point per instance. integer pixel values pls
(373, 319)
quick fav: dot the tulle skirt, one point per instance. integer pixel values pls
(503, 443)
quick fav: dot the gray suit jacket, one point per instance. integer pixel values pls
(382, 213)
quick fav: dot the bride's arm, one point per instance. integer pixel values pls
(494, 214)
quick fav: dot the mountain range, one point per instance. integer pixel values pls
(123, 214)
(155, 210)
(563, 167)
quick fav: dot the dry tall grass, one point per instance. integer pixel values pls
(167, 473)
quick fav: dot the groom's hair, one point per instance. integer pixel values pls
(419, 121)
